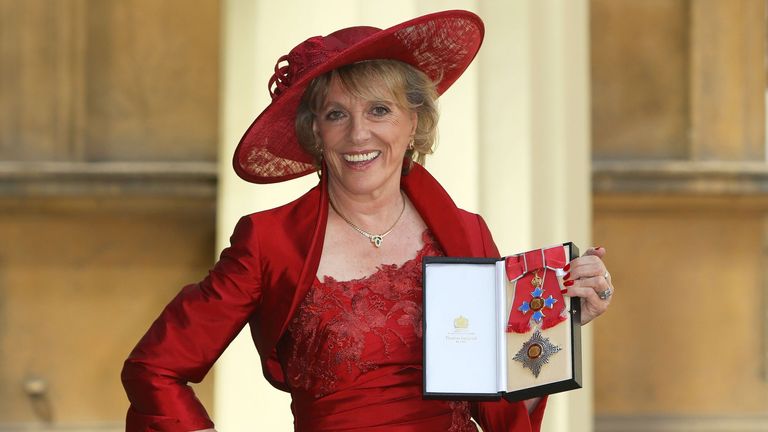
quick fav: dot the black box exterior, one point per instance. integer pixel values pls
(575, 382)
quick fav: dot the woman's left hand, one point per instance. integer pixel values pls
(588, 278)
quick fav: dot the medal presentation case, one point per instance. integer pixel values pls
(500, 327)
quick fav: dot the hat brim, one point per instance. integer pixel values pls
(442, 45)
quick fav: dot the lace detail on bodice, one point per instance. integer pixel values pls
(354, 326)
(363, 334)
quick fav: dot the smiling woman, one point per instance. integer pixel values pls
(399, 82)
(363, 142)
(331, 283)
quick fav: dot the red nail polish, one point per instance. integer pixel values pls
(567, 267)
(567, 275)
(568, 283)
(598, 248)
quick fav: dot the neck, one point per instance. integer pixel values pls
(374, 212)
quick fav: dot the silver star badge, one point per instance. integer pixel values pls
(536, 352)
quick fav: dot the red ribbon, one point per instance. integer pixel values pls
(525, 267)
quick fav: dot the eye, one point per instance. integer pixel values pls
(334, 115)
(380, 110)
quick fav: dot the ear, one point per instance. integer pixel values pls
(318, 143)
(414, 122)
(315, 129)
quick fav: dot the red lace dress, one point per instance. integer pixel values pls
(353, 356)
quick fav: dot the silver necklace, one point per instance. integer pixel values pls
(376, 239)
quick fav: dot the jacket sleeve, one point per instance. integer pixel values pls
(187, 338)
(504, 416)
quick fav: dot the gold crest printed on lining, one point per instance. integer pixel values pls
(461, 323)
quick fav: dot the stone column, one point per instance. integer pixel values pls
(535, 145)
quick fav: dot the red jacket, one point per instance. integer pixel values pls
(260, 279)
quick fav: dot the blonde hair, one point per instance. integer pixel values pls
(412, 89)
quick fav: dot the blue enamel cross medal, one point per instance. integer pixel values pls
(537, 303)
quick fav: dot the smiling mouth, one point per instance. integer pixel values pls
(362, 157)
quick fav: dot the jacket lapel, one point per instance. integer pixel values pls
(438, 211)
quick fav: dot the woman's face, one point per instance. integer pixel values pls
(363, 141)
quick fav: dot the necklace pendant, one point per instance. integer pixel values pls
(376, 240)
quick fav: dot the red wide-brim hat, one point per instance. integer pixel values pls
(442, 45)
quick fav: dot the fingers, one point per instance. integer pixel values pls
(585, 292)
(585, 267)
(590, 289)
(595, 251)
(596, 284)
(588, 279)
(591, 306)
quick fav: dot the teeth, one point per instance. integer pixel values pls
(361, 157)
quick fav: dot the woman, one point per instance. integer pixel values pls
(331, 283)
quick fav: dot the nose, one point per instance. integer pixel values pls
(360, 129)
